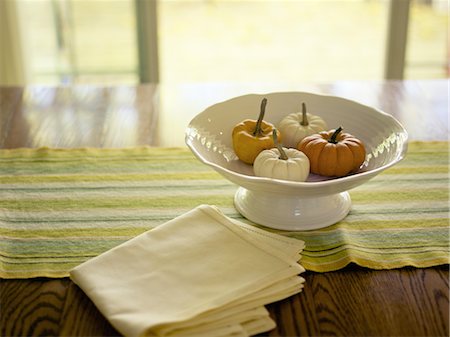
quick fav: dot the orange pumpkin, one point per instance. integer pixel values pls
(333, 153)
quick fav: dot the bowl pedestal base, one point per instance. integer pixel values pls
(294, 213)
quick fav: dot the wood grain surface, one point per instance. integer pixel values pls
(353, 301)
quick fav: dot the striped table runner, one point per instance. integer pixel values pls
(60, 207)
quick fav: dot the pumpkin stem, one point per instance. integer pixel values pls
(334, 135)
(283, 155)
(258, 131)
(304, 121)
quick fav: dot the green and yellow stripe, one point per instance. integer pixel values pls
(60, 207)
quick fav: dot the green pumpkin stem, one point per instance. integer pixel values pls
(304, 121)
(283, 155)
(334, 135)
(258, 130)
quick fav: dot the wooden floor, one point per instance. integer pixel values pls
(351, 302)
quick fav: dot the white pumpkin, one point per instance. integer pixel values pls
(298, 125)
(282, 163)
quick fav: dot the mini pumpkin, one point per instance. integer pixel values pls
(298, 125)
(282, 163)
(333, 153)
(250, 137)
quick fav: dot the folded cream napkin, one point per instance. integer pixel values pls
(200, 274)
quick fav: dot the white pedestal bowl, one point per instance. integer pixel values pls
(317, 202)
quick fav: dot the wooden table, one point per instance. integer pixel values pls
(350, 302)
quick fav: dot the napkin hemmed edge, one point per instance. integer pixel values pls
(234, 227)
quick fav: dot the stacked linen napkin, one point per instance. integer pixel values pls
(200, 274)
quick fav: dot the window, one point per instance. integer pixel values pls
(427, 55)
(80, 40)
(96, 41)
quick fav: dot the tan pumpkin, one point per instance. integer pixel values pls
(298, 125)
(333, 153)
